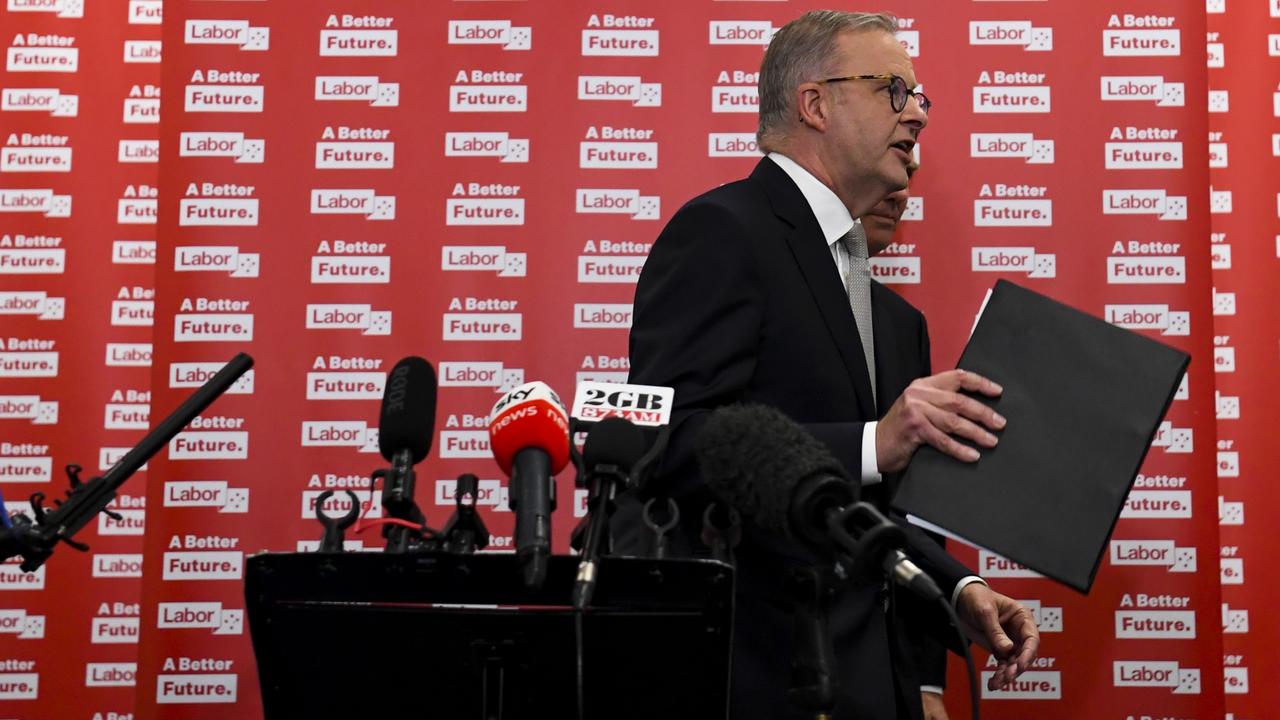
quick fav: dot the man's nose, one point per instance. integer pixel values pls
(913, 115)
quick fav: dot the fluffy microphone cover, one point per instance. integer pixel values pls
(753, 457)
(614, 441)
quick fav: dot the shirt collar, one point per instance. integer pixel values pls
(833, 217)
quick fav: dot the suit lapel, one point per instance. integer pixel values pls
(813, 256)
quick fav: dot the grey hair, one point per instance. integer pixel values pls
(802, 51)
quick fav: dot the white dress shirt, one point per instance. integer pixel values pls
(834, 219)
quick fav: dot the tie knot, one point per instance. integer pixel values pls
(855, 242)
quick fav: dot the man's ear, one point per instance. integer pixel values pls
(811, 104)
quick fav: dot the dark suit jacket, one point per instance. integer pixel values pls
(740, 301)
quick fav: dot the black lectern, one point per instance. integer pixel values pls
(445, 636)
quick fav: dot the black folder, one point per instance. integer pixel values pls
(1084, 400)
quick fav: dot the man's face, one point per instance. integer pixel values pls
(882, 221)
(867, 144)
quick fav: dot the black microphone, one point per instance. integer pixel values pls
(407, 421)
(783, 479)
(612, 449)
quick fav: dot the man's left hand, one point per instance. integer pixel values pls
(1003, 626)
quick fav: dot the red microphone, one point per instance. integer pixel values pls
(529, 436)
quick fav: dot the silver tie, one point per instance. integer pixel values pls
(858, 285)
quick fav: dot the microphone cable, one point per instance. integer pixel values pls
(968, 658)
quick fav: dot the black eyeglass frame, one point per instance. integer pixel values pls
(898, 91)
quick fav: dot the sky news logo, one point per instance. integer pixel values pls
(37, 304)
(618, 201)
(1154, 553)
(348, 316)
(1153, 201)
(42, 201)
(340, 433)
(1142, 316)
(57, 8)
(487, 144)
(626, 88)
(490, 32)
(234, 145)
(740, 32)
(1020, 260)
(200, 615)
(364, 202)
(1016, 33)
(195, 374)
(1143, 88)
(483, 258)
(47, 100)
(1156, 673)
(237, 33)
(479, 373)
(207, 494)
(369, 89)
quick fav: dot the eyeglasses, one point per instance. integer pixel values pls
(898, 91)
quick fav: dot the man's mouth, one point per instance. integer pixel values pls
(906, 146)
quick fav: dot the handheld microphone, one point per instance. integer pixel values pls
(529, 436)
(778, 475)
(406, 422)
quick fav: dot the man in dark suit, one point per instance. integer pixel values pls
(759, 291)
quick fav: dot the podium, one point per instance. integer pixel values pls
(446, 636)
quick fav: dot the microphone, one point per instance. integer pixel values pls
(406, 422)
(777, 474)
(612, 449)
(529, 436)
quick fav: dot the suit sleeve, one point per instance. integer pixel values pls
(695, 328)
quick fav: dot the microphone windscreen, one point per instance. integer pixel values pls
(408, 416)
(530, 416)
(754, 457)
(614, 441)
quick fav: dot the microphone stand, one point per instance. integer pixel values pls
(397, 502)
(813, 681)
(35, 539)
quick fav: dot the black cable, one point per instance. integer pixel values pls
(578, 643)
(968, 657)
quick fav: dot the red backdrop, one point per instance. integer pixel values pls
(343, 183)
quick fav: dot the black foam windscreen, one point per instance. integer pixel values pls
(408, 416)
(614, 441)
(754, 457)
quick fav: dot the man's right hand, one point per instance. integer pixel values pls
(931, 411)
